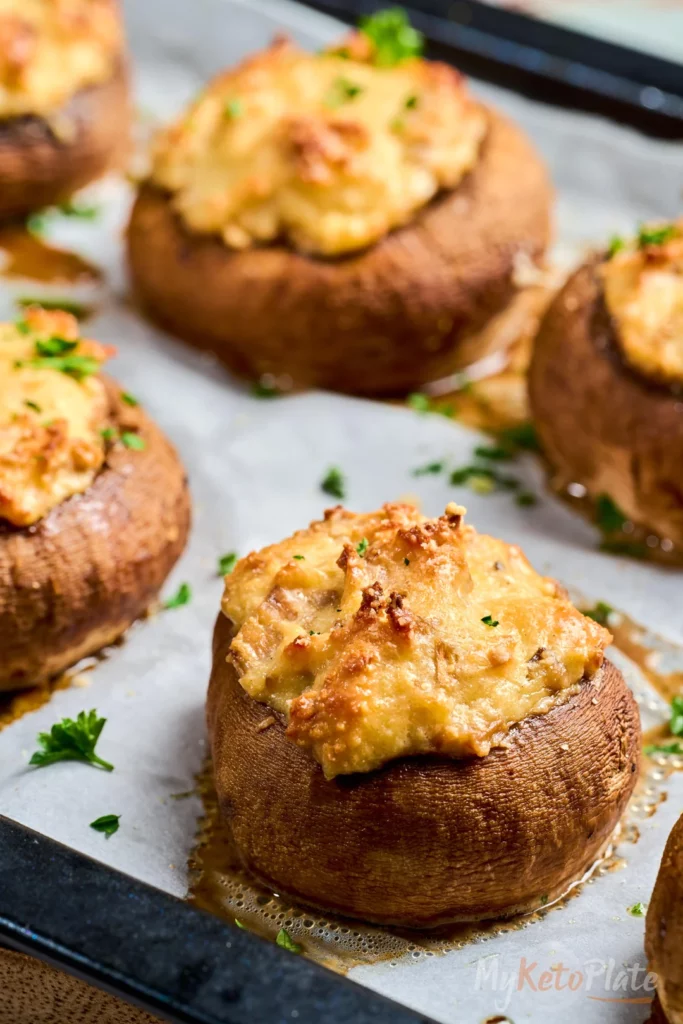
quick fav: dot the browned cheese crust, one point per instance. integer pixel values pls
(602, 424)
(385, 320)
(42, 162)
(426, 840)
(75, 581)
(664, 928)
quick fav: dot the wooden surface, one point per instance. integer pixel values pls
(33, 993)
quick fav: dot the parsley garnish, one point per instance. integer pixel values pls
(285, 941)
(182, 596)
(616, 244)
(32, 405)
(233, 109)
(497, 453)
(423, 403)
(22, 326)
(483, 479)
(609, 516)
(108, 434)
(676, 723)
(362, 547)
(341, 91)
(526, 498)
(36, 223)
(393, 36)
(431, 467)
(299, 558)
(55, 347)
(262, 389)
(334, 483)
(72, 209)
(108, 824)
(656, 236)
(522, 437)
(78, 367)
(488, 620)
(637, 910)
(226, 563)
(76, 309)
(665, 748)
(406, 561)
(129, 399)
(133, 441)
(411, 102)
(600, 613)
(72, 740)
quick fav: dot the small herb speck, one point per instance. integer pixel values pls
(637, 910)
(299, 558)
(488, 620)
(333, 483)
(129, 399)
(107, 824)
(362, 547)
(600, 613)
(285, 941)
(226, 563)
(406, 561)
(182, 596)
(430, 468)
(132, 441)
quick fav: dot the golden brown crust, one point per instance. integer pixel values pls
(386, 320)
(600, 423)
(76, 581)
(425, 841)
(43, 162)
(664, 928)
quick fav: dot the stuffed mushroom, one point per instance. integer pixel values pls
(64, 106)
(606, 382)
(94, 506)
(409, 725)
(350, 219)
(664, 929)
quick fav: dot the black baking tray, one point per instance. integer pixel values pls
(542, 60)
(156, 951)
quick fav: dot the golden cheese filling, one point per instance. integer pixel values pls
(388, 634)
(643, 289)
(53, 409)
(50, 49)
(327, 152)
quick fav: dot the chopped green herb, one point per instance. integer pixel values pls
(262, 389)
(133, 441)
(423, 403)
(22, 326)
(240, 925)
(664, 748)
(55, 346)
(342, 91)
(299, 558)
(285, 941)
(36, 223)
(600, 613)
(129, 399)
(72, 209)
(475, 475)
(234, 109)
(676, 723)
(630, 549)
(362, 547)
(616, 244)
(609, 517)
(78, 367)
(76, 309)
(108, 824)
(656, 236)
(32, 405)
(226, 563)
(488, 620)
(108, 434)
(406, 561)
(526, 499)
(72, 740)
(182, 596)
(411, 102)
(334, 483)
(497, 453)
(637, 910)
(522, 437)
(430, 468)
(393, 36)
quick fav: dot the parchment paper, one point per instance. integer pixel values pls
(255, 468)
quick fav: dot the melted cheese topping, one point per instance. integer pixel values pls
(392, 652)
(51, 445)
(643, 288)
(49, 49)
(328, 153)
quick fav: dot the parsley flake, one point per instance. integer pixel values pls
(78, 367)
(299, 558)
(72, 740)
(600, 613)
(616, 244)
(76, 309)
(637, 910)
(523, 436)
(676, 723)
(32, 405)
(430, 468)
(497, 453)
(234, 109)
(108, 434)
(133, 441)
(341, 91)
(488, 620)
(406, 561)
(108, 824)
(411, 102)
(362, 547)
(334, 483)
(423, 403)
(55, 346)
(526, 499)
(264, 389)
(393, 36)
(664, 748)
(656, 236)
(182, 596)
(609, 517)
(285, 941)
(79, 210)
(226, 563)
(129, 399)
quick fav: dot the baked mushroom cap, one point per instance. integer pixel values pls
(64, 105)
(664, 928)
(401, 311)
(604, 418)
(90, 525)
(418, 839)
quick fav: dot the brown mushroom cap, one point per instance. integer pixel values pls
(75, 581)
(664, 928)
(43, 162)
(425, 841)
(400, 313)
(600, 423)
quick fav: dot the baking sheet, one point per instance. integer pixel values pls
(255, 468)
